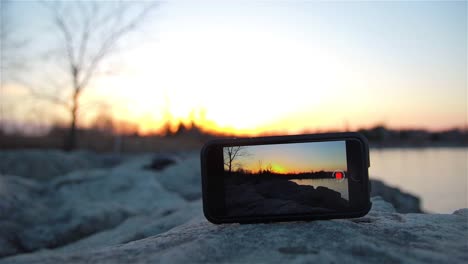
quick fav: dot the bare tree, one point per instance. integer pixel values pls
(230, 155)
(88, 33)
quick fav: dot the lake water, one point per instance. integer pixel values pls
(439, 176)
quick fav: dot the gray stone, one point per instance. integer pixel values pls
(19, 207)
(122, 212)
(382, 236)
(48, 164)
(40, 215)
(403, 202)
(138, 227)
(184, 178)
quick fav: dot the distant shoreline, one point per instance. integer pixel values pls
(416, 146)
(193, 138)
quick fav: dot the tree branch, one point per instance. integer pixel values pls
(107, 45)
(68, 41)
(50, 98)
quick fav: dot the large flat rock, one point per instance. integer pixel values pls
(47, 164)
(383, 236)
(128, 211)
(95, 207)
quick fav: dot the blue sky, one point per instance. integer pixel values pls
(297, 157)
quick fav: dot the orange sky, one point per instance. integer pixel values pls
(294, 158)
(254, 68)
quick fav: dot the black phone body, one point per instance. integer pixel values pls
(285, 178)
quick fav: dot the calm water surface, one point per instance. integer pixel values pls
(437, 175)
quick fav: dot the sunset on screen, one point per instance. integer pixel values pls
(294, 158)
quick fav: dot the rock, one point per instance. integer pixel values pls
(382, 236)
(19, 207)
(184, 178)
(403, 202)
(160, 163)
(47, 164)
(88, 214)
(59, 212)
(253, 195)
(138, 227)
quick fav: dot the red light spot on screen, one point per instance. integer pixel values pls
(339, 175)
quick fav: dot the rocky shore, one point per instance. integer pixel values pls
(126, 210)
(250, 195)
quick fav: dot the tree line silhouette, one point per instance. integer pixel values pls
(269, 173)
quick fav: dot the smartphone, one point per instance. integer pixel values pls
(285, 178)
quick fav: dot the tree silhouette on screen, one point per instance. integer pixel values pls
(231, 154)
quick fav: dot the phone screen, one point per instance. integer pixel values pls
(291, 178)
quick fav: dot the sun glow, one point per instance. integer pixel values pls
(279, 169)
(255, 69)
(231, 80)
